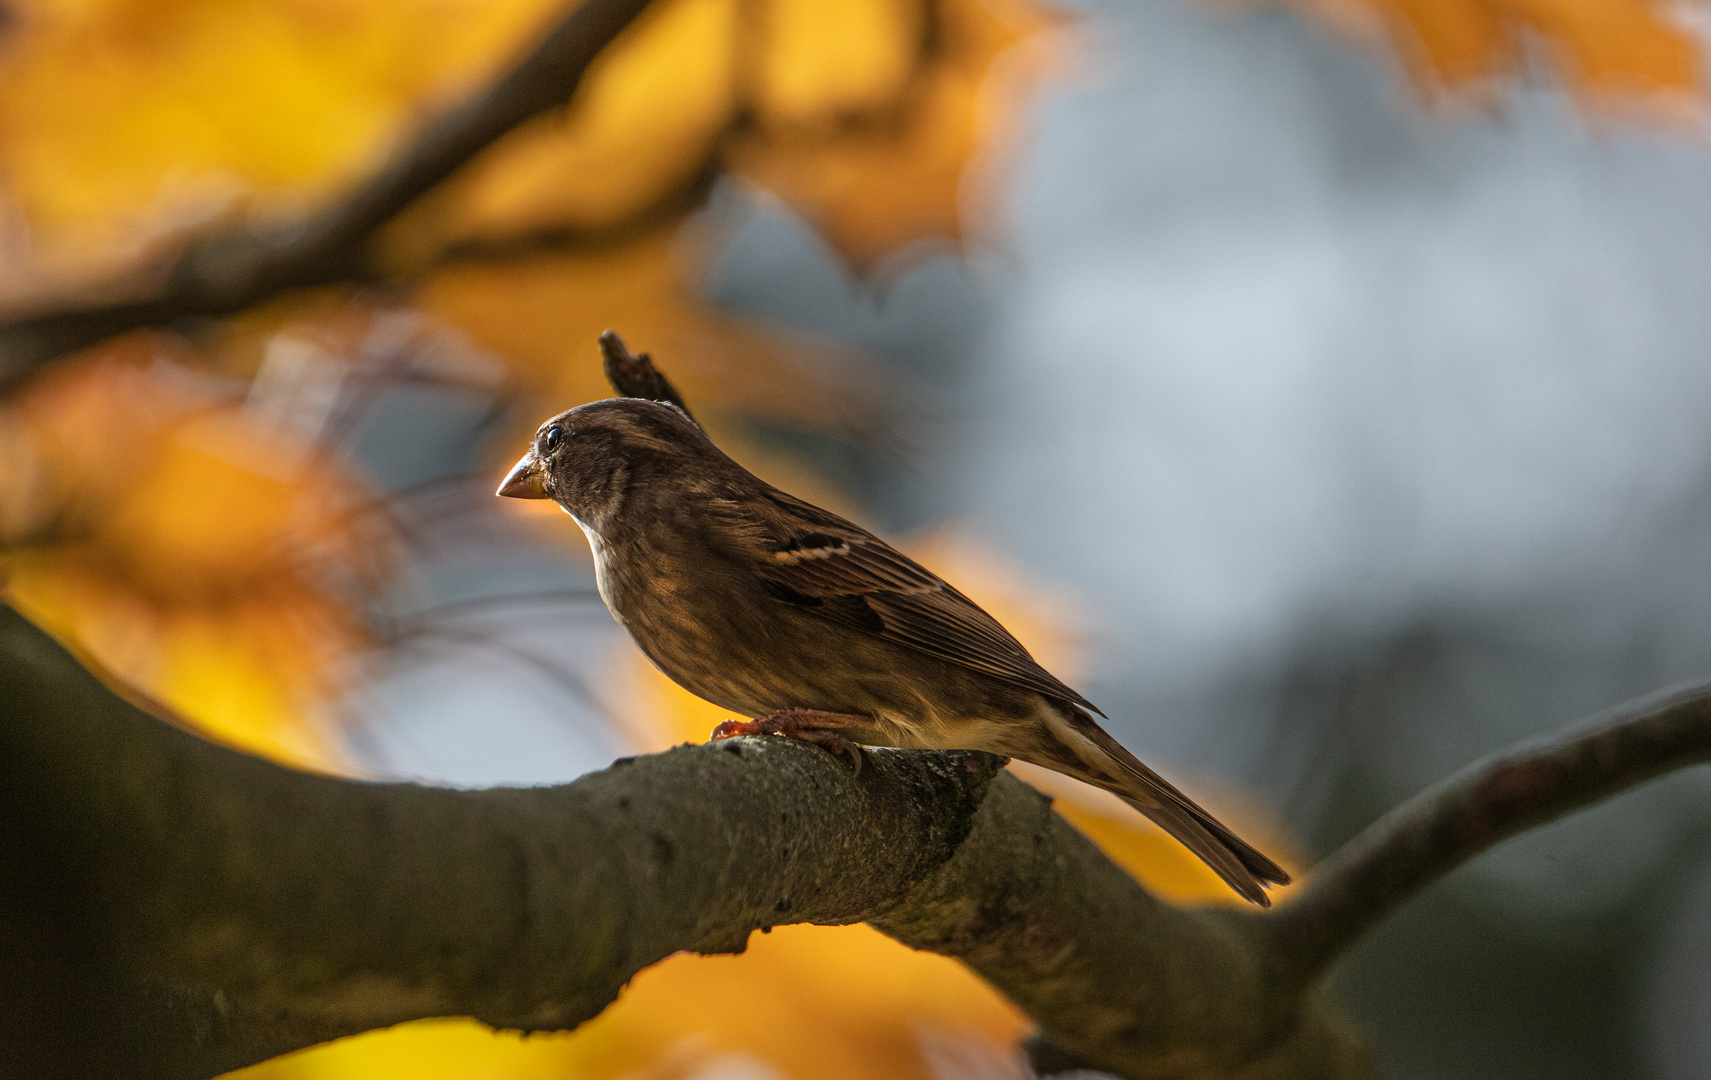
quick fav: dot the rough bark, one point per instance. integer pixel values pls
(172, 908)
(1115, 978)
(175, 908)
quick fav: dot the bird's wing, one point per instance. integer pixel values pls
(816, 561)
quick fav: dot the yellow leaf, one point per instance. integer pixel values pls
(123, 118)
(820, 61)
(544, 315)
(189, 543)
(250, 673)
(804, 1002)
(644, 121)
(918, 168)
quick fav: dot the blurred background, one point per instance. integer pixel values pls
(1319, 388)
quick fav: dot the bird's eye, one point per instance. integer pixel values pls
(551, 439)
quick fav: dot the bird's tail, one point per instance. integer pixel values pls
(1106, 764)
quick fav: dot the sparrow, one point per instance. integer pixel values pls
(815, 628)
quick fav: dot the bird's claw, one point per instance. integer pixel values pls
(794, 724)
(730, 729)
(837, 744)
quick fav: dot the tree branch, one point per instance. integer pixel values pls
(231, 268)
(169, 901)
(171, 908)
(194, 909)
(1481, 806)
(666, 209)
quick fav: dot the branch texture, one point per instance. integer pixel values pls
(172, 908)
(230, 269)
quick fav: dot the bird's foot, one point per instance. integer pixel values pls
(809, 725)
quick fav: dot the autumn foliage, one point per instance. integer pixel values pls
(1614, 54)
(180, 507)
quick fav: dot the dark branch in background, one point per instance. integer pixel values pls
(676, 200)
(634, 374)
(233, 266)
(1488, 802)
(230, 269)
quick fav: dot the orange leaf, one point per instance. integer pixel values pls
(803, 1003)
(1613, 52)
(123, 119)
(645, 121)
(544, 315)
(183, 545)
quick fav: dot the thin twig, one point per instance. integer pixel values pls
(566, 677)
(1486, 803)
(480, 604)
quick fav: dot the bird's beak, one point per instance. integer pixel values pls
(526, 480)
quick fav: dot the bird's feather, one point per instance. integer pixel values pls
(821, 563)
(1104, 762)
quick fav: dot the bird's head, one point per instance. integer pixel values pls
(588, 459)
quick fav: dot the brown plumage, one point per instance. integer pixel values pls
(778, 610)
